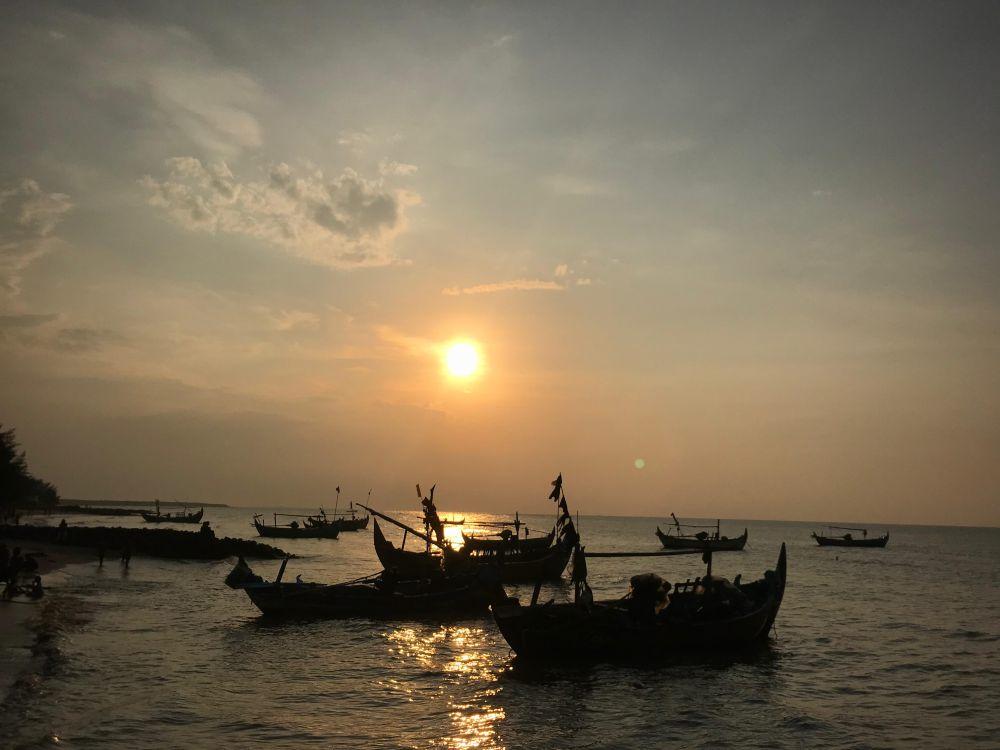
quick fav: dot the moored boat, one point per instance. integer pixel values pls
(849, 540)
(709, 613)
(708, 538)
(185, 517)
(380, 596)
(516, 560)
(320, 529)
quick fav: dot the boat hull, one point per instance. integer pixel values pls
(353, 524)
(382, 601)
(328, 531)
(715, 545)
(169, 518)
(827, 541)
(512, 565)
(608, 631)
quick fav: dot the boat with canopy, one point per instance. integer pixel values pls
(847, 539)
(681, 536)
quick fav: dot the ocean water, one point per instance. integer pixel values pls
(873, 648)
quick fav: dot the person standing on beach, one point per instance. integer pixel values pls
(100, 555)
(127, 554)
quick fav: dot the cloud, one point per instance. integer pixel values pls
(343, 222)
(23, 321)
(354, 139)
(584, 282)
(517, 285)
(28, 217)
(387, 167)
(77, 340)
(502, 41)
(561, 270)
(184, 88)
(291, 320)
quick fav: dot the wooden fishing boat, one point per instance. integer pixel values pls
(295, 530)
(708, 538)
(346, 520)
(849, 540)
(543, 558)
(381, 596)
(353, 524)
(185, 517)
(707, 613)
(404, 561)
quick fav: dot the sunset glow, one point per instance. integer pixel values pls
(462, 359)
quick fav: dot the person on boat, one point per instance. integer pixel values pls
(649, 595)
(431, 518)
(206, 531)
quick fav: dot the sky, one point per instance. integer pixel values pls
(722, 259)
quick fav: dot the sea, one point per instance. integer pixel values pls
(873, 648)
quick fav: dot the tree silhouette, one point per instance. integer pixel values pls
(18, 487)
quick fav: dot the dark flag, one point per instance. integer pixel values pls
(432, 491)
(338, 489)
(557, 488)
(419, 493)
(563, 507)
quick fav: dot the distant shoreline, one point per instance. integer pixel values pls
(141, 503)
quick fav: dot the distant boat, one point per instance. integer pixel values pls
(382, 596)
(346, 520)
(185, 517)
(321, 529)
(706, 614)
(677, 537)
(849, 540)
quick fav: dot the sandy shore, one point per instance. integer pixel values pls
(23, 622)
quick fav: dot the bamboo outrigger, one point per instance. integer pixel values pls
(849, 540)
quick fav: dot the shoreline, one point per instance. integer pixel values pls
(28, 628)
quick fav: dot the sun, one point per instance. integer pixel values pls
(461, 359)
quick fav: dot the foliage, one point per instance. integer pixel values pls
(19, 488)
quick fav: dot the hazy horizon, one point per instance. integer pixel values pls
(717, 257)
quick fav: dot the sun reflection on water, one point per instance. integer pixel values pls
(462, 654)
